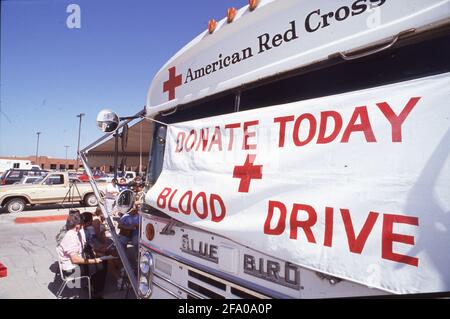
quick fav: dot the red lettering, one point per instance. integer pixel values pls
(190, 147)
(324, 116)
(161, 201)
(214, 216)
(180, 141)
(365, 127)
(281, 225)
(216, 139)
(283, 120)
(203, 140)
(389, 237)
(247, 135)
(187, 195)
(204, 214)
(397, 121)
(356, 243)
(170, 207)
(232, 127)
(328, 238)
(312, 129)
(306, 224)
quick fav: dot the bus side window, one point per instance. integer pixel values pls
(404, 63)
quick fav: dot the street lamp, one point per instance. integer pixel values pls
(79, 134)
(37, 147)
(66, 146)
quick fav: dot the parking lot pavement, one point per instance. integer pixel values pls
(27, 249)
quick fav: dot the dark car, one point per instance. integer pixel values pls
(13, 176)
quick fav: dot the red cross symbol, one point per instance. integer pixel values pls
(247, 172)
(172, 83)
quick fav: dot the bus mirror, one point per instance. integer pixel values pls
(125, 201)
(107, 121)
(162, 131)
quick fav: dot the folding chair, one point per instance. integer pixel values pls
(67, 279)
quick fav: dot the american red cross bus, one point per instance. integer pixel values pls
(269, 54)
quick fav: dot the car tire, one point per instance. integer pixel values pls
(90, 200)
(15, 205)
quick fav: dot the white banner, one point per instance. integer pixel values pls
(355, 185)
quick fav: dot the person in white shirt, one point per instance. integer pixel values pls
(112, 191)
(70, 252)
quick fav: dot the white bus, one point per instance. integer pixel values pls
(271, 55)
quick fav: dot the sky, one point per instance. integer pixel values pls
(49, 72)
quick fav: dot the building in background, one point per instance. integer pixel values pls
(46, 162)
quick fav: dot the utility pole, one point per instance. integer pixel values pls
(66, 146)
(79, 134)
(37, 147)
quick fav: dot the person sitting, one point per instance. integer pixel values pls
(99, 228)
(123, 185)
(101, 245)
(137, 186)
(72, 257)
(62, 232)
(129, 228)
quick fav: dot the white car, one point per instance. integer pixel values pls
(106, 179)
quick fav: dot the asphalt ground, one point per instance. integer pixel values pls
(28, 250)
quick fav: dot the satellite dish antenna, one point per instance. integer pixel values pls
(107, 121)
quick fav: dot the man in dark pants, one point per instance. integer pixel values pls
(73, 259)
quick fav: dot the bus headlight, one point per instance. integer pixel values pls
(146, 263)
(144, 288)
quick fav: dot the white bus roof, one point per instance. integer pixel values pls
(279, 36)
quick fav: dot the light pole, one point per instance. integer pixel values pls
(79, 134)
(37, 147)
(66, 146)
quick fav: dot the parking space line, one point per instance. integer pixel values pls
(40, 219)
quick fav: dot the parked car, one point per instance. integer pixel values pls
(105, 179)
(85, 178)
(13, 176)
(30, 180)
(53, 189)
(74, 180)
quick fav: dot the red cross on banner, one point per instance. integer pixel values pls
(247, 172)
(172, 83)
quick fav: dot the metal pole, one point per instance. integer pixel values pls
(116, 153)
(140, 147)
(37, 147)
(67, 147)
(120, 249)
(79, 135)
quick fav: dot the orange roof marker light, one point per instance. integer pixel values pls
(252, 4)
(212, 24)
(231, 14)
